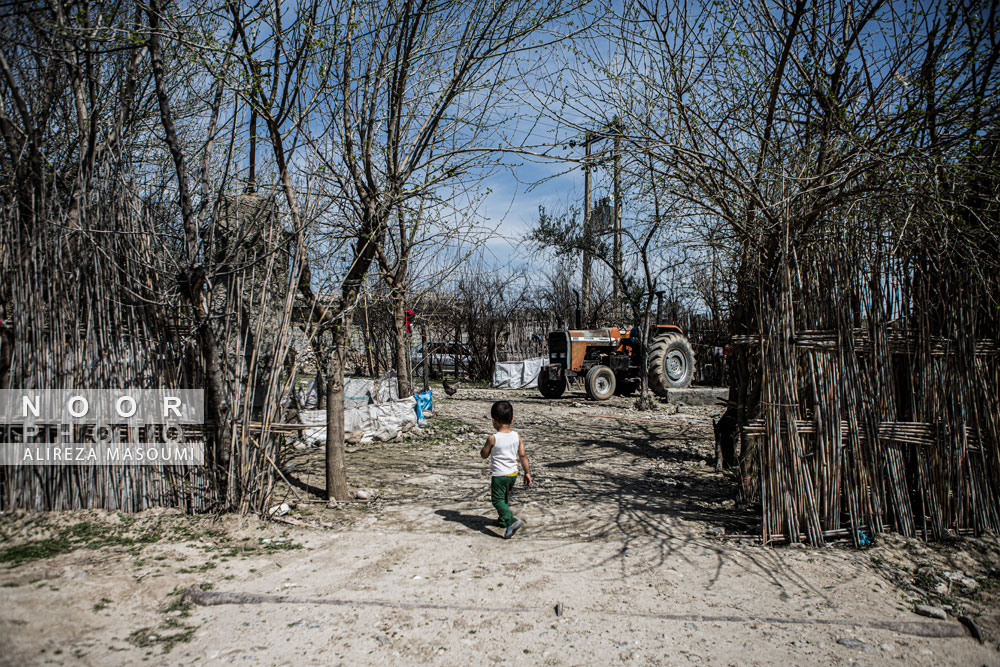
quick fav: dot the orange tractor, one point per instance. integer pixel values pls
(610, 361)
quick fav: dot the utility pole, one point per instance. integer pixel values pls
(588, 257)
(588, 213)
(252, 177)
(618, 218)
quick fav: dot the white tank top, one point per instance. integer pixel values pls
(504, 454)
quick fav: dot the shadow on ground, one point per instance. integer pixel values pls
(472, 521)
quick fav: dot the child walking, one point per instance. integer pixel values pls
(506, 448)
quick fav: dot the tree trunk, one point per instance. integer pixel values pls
(319, 360)
(214, 393)
(491, 355)
(6, 353)
(399, 345)
(645, 400)
(336, 475)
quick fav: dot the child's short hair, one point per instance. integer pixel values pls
(503, 412)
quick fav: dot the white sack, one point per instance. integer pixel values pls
(378, 421)
(314, 436)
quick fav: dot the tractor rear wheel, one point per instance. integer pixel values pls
(551, 388)
(600, 383)
(671, 363)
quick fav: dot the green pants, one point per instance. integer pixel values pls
(500, 489)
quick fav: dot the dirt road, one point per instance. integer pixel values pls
(623, 535)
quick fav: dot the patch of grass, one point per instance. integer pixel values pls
(85, 534)
(37, 550)
(172, 630)
(281, 546)
(147, 637)
(103, 604)
(226, 552)
(178, 603)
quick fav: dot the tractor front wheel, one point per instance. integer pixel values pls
(551, 388)
(600, 383)
(671, 363)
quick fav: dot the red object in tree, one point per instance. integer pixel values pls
(408, 318)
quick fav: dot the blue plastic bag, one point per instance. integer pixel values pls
(425, 401)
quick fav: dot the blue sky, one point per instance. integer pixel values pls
(512, 207)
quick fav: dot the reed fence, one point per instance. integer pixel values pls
(887, 417)
(91, 298)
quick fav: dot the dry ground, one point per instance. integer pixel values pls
(622, 532)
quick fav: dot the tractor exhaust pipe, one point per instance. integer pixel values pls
(579, 315)
(659, 307)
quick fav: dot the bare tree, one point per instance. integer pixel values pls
(772, 119)
(123, 169)
(428, 234)
(485, 301)
(396, 105)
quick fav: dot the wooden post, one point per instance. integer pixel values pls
(423, 355)
(368, 343)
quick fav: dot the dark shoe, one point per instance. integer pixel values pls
(512, 528)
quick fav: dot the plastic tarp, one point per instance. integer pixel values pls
(388, 388)
(517, 374)
(376, 421)
(385, 421)
(308, 399)
(358, 392)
